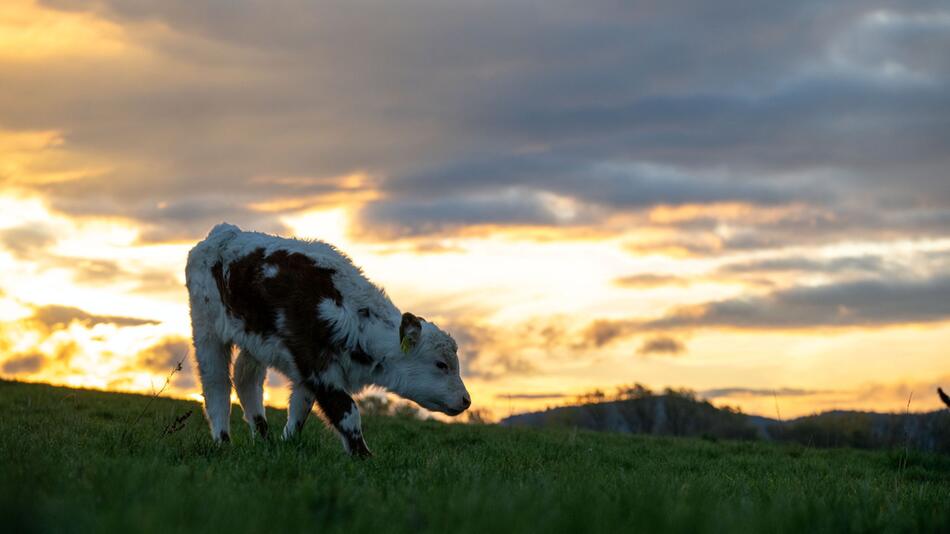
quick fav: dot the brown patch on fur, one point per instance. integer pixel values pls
(260, 424)
(296, 290)
(333, 402)
(242, 292)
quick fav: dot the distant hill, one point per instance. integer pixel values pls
(682, 414)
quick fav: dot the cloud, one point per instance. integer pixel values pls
(180, 219)
(159, 282)
(603, 331)
(23, 364)
(531, 396)
(26, 241)
(862, 303)
(55, 316)
(163, 357)
(92, 271)
(859, 264)
(611, 184)
(66, 351)
(761, 392)
(903, 392)
(487, 352)
(651, 280)
(662, 345)
(400, 218)
(33, 242)
(205, 116)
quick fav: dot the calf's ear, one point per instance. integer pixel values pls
(410, 330)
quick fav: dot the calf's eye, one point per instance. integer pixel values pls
(442, 365)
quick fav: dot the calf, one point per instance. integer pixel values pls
(303, 308)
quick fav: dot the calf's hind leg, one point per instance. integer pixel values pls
(249, 375)
(214, 362)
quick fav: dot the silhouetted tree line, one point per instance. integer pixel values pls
(679, 412)
(863, 430)
(385, 405)
(380, 404)
(636, 409)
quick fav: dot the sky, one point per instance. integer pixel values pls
(746, 198)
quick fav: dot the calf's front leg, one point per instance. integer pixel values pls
(301, 402)
(341, 411)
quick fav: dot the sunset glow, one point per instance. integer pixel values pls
(770, 229)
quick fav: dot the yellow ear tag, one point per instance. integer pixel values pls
(404, 345)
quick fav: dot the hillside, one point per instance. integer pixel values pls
(682, 414)
(79, 460)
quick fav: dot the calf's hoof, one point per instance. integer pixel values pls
(260, 426)
(360, 452)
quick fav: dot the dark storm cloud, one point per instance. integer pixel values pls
(617, 106)
(55, 316)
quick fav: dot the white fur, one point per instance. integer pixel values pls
(301, 402)
(271, 270)
(249, 375)
(376, 332)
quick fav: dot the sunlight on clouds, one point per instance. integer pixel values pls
(509, 277)
(40, 157)
(524, 301)
(30, 32)
(83, 352)
(309, 212)
(326, 225)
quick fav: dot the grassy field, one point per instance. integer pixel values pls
(76, 460)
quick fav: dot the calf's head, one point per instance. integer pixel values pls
(430, 367)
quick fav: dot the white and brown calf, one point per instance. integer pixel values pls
(303, 308)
